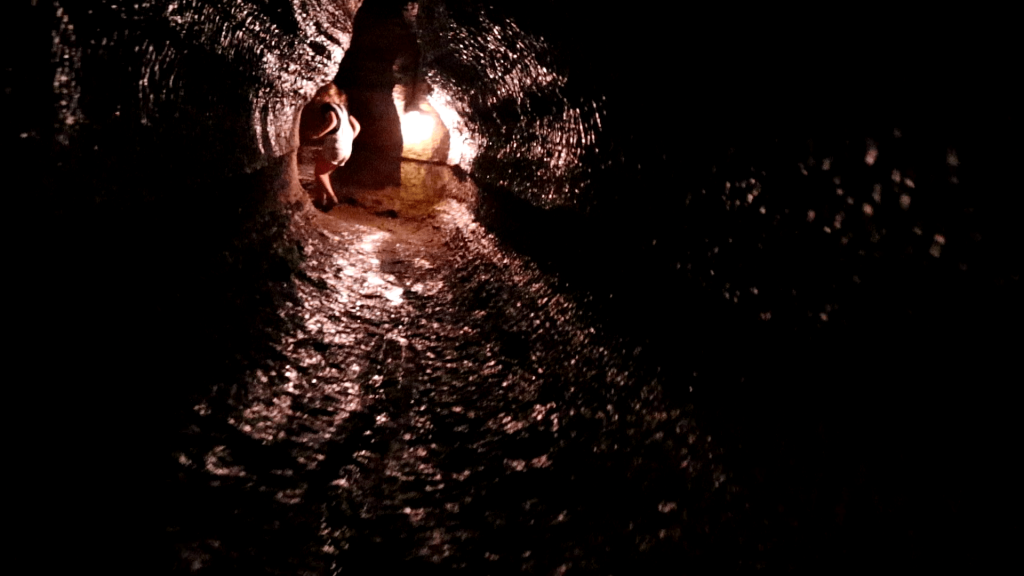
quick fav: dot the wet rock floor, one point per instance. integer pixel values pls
(434, 403)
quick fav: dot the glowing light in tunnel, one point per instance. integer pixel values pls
(463, 145)
(416, 127)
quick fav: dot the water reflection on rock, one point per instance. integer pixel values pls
(438, 403)
(390, 384)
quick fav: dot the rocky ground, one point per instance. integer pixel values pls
(434, 402)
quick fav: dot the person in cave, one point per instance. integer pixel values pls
(384, 52)
(327, 122)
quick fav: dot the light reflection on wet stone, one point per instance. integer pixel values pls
(443, 421)
(531, 132)
(432, 390)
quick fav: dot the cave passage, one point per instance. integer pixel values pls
(605, 292)
(431, 402)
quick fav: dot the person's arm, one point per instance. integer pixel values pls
(355, 126)
(332, 122)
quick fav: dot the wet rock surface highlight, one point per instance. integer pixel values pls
(687, 292)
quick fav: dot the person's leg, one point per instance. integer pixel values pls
(322, 192)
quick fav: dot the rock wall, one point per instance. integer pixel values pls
(190, 88)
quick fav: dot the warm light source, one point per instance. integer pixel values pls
(463, 146)
(416, 127)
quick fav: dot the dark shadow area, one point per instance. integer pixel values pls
(878, 360)
(845, 439)
(156, 270)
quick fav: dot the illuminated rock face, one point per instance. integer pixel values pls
(217, 87)
(426, 141)
(185, 90)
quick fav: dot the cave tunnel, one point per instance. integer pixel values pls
(647, 289)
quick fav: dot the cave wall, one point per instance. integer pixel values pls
(179, 90)
(159, 134)
(568, 104)
(148, 147)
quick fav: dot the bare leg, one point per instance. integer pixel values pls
(323, 194)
